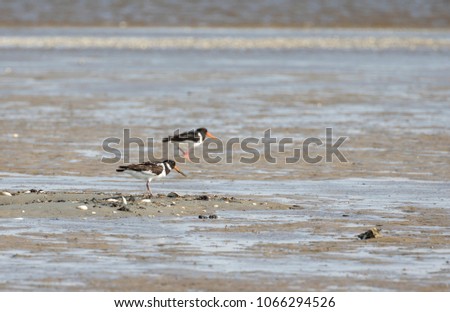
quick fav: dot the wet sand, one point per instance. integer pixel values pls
(64, 205)
(216, 243)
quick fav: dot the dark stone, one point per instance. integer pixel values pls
(202, 197)
(296, 207)
(372, 233)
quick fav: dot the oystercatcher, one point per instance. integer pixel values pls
(189, 139)
(150, 170)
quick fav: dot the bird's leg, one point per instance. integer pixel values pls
(185, 154)
(150, 195)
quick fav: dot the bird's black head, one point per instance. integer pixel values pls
(172, 166)
(171, 163)
(202, 132)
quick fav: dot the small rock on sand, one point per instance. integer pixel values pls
(213, 216)
(202, 197)
(36, 191)
(173, 195)
(372, 233)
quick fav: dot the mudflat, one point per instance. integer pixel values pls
(215, 243)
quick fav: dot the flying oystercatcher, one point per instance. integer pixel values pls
(189, 139)
(150, 170)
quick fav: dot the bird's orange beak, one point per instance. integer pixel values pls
(179, 171)
(209, 135)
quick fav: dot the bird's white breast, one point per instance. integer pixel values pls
(147, 175)
(144, 175)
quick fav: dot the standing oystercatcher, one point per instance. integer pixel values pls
(189, 139)
(149, 171)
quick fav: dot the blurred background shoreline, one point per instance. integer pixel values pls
(230, 14)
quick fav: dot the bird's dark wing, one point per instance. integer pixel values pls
(147, 166)
(189, 136)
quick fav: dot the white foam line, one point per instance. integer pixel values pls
(228, 43)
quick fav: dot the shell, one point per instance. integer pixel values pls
(82, 207)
